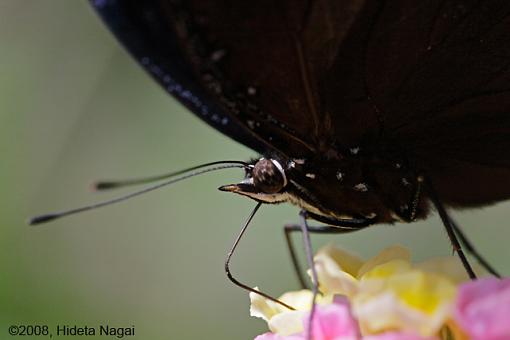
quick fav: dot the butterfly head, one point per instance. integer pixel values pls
(265, 181)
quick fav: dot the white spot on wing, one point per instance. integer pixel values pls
(218, 55)
(362, 187)
(354, 150)
(339, 175)
(251, 90)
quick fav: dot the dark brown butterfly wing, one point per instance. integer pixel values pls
(148, 33)
(439, 73)
(427, 80)
(285, 51)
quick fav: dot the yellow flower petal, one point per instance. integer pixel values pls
(408, 300)
(332, 278)
(386, 270)
(422, 291)
(385, 312)
(387, 293)
(260, 307)
(349, 263)
(386, 255)
(299, 299)
(281, 320)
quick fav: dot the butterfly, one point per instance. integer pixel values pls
(363, 111)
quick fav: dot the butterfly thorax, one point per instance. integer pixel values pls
(333, 191)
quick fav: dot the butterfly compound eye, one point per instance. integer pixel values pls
(269, 176)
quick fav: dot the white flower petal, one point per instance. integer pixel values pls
(287, 323)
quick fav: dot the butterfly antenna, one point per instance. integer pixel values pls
(106, 185)
(225, 165)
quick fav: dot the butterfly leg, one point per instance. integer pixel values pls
(350, 226)
(450, 229)
(309, 258)
(468, 245)
(229, 257)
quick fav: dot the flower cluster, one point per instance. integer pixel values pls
(389, 298)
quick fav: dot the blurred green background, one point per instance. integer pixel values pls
(74, 107)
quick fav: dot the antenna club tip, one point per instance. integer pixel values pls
(98, 186)
(41, 219)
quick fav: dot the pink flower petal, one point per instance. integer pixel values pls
(483, 309)
(334, 321)
(274, 336)
(397, 336)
